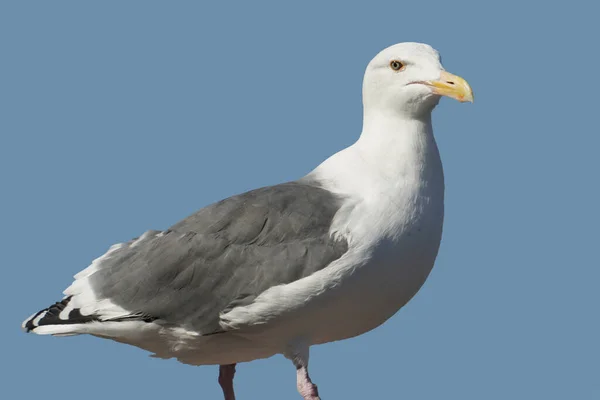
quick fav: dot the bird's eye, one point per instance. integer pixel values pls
(396, 65)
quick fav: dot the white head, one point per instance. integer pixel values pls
(408, 78)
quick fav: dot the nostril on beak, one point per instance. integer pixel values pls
(451, 82)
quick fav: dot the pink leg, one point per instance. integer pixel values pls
(226, 373)
(306, 388)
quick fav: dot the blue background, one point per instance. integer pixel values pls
(118, 117)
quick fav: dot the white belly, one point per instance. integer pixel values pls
(375, 292)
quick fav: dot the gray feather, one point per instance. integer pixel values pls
(223, 256)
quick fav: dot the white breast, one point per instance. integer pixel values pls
(393, 221)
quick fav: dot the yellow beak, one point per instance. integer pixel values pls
(452, 86)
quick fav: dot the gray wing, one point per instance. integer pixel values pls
(223, 256)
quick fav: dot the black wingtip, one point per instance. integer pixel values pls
(51, 316)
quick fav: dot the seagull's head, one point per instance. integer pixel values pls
(408, 78)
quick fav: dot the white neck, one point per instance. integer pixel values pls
(393, 152)
(399, 148)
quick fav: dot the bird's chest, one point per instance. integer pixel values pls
(401, 228)
(393, 265)
(402, 254)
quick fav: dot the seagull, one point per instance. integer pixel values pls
(279, 269)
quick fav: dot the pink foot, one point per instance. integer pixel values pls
(306, 388)
(226, 373)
